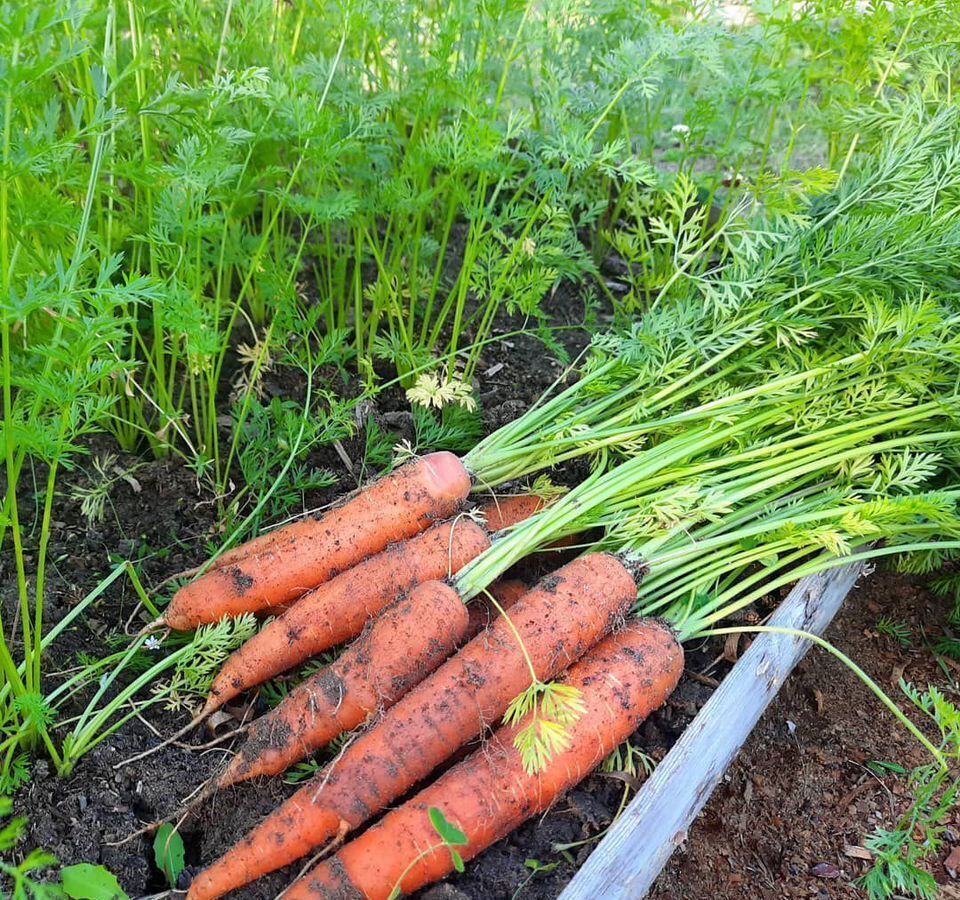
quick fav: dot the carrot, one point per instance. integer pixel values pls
(307, 553)
(506, 511)
(398, 649)
(499, 513)
(488, 795)
(482, 610)
(336, 611)
(253, 547)
(556, 622)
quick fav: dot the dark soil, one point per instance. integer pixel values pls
(792, 814)
(795, 798)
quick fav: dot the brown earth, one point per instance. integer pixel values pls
(791, 817)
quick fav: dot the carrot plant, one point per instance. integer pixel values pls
(900, 851)
(261, 168)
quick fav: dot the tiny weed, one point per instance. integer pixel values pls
(918, 836)
(536, 868)
(895, 630)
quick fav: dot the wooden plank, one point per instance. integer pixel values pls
(655, 823)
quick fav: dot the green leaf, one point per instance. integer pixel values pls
(880, 767)
(12, 832)
(457, 859)
(449, 833)
(86, 882)
(169, 853)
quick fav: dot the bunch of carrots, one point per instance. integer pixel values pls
(731, 453)
(716, 506)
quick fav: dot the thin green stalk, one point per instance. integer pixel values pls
(42, 553)
(874, 688)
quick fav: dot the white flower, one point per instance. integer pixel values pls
(681, 131)
(152, 643)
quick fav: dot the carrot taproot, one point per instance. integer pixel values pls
(547, 629)
(307, 553)
(398, 649)
(622, 680)
(507, 510)
(337, 610)
(499, 513)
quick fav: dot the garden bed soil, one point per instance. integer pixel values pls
(791, 815)
(796, 798)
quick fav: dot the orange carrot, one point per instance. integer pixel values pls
(499, 513)
(337, 611)
(307, 553)
(398, 649)
(255, 546)
(556, 622)
(483, 610)
(488, 795)
(506, 511)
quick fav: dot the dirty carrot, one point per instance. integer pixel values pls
(398, 649)
(337, 611)
(253, 547)
(507, 510)
(501, 512)
(307, 553)
(622, 680)
(547, 630)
